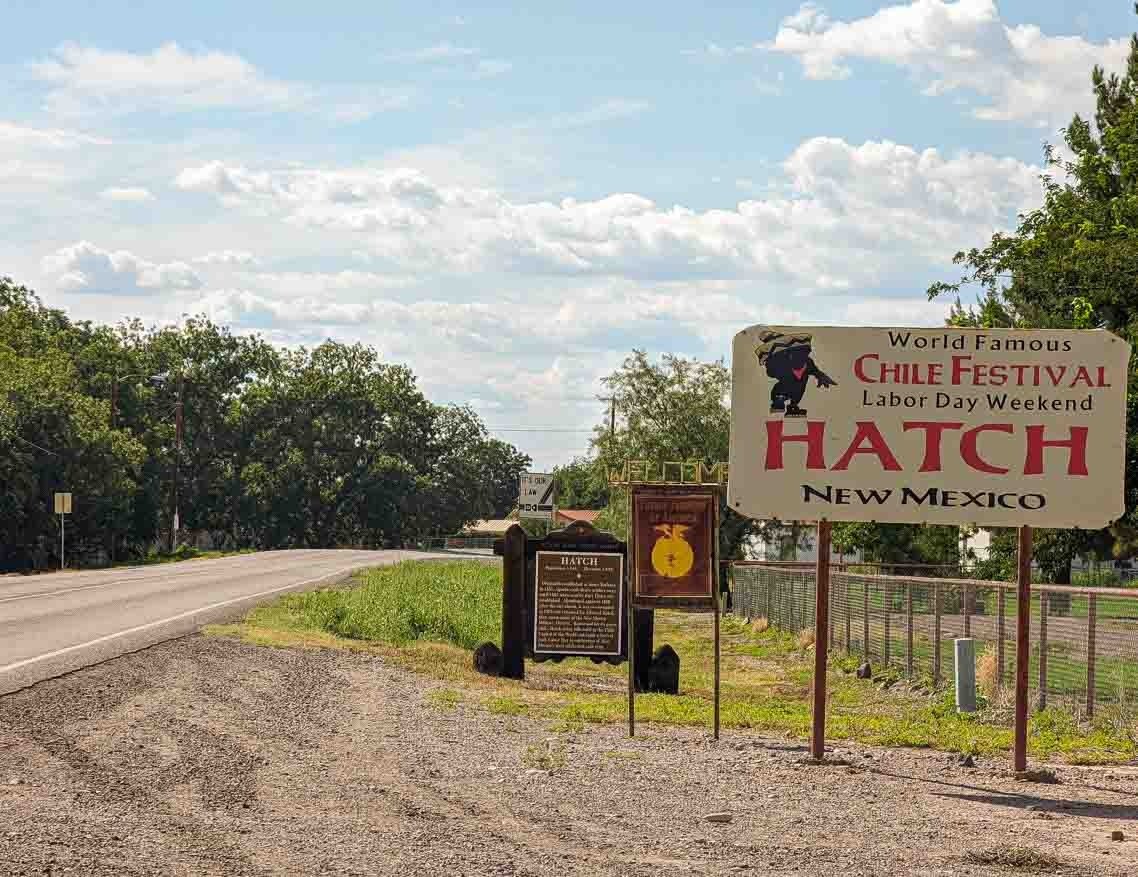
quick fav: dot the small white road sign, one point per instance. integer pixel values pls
(535, 496)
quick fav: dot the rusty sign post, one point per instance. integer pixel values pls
(958, 427)
(821, 641)
(1023, 645)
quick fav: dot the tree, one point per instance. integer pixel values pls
(581, 484)
(676, 409)
(1073, 263)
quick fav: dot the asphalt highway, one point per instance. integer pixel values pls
(52, 624)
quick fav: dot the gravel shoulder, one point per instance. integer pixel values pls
(207, 755)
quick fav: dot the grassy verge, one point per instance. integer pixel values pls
(428, 616)
(183, 552)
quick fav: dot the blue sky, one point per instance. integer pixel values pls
(510, 199)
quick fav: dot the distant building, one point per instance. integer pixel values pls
(565, 517)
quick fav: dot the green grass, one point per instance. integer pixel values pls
(457, 603)
(447, 698)
(427, 616)
(183, 552)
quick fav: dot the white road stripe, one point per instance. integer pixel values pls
(110, 636)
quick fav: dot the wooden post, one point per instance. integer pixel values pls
(716, 704)
(1043, 650)
(886, 598)
(967, 611)
(1001, 634)
(908, 629)
(849, 615)
(936, 632)
(1023, 646)
(1092, 611)
(821, 621)
(514, 603)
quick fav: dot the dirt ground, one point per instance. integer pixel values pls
(211, 756)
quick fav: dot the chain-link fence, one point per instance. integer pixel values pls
(1084, 641)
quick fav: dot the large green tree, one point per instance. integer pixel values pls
(1073, 263)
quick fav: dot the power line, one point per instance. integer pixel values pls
(34, 445)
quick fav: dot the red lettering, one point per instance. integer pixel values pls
(1082, 375)
(960, 368)
(933, 432)
(971, 454)
(814, 439)
(868, 440)
(861, 375)
(1076, 445)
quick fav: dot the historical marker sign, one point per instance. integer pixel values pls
(578, 600)
(940, 426)
(535, 496)
(674, 536)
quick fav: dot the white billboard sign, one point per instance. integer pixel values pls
(939, 426)
(535, 496)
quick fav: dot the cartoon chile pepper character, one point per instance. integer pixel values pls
(787, 360)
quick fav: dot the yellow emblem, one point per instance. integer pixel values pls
(672, 556)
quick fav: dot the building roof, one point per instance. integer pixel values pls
(589, 516)
(497, 527)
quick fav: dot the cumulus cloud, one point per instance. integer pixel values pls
(88, 78)
(126, 193)
(842, 215)
(1020, 73)
(84, 267)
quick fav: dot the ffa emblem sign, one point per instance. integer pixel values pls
(674, 547)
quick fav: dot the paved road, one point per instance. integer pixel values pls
(51, 624)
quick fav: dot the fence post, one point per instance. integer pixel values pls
(1091, 613)
(887, 600)
(769, 580)
(1043, 650)
(865, 619)
(849, 615)
(967, 612)
(936, 633)
(909, 629)
(1000, 596)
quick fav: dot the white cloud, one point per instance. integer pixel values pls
(87, 79)
(606, 111)
(12, 134)
(444, 51)
(126, 193)
(228, 257)
(1019, 72)
(84, 267)
(842, 215)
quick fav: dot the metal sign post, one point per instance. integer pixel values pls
(821, 641)
(1023, 646)
(62, 508)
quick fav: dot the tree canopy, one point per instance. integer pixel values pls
(320, 447)
(1073, 263)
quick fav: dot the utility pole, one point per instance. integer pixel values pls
(177, 458)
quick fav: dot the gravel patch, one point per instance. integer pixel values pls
(211, 756)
